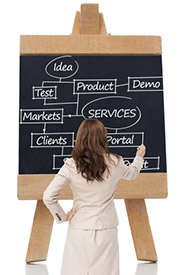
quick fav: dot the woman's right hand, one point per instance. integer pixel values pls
(141, 150)
(71, 213)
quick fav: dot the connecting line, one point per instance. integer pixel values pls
(53, 162)
(126, 84)
(55, 82)
(44, 129)
(60, 103)
(69, 115)
(142, 137)
(115, 131)
(77, 104)
(158, 163)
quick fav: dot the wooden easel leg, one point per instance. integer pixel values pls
(140, 229)
(40, 234)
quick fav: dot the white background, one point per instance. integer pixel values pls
(142, 17)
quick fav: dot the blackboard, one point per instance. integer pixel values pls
(58, 92)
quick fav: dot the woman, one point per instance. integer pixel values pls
(91, 246)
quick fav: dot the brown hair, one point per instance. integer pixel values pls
(90, 148)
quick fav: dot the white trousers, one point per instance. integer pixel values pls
(91, 252)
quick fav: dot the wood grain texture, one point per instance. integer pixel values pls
(141, 231)
(89, 44)
(151, 185)
(40, 234)
(76, 26)
(89, 20)
(102, 26)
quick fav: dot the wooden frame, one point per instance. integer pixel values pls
(89, 36)
(151, 185)
(89, 44)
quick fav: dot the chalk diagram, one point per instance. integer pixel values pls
(126, 114)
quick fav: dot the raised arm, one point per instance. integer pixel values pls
(131, 172)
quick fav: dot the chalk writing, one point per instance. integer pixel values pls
(140, 84)
(94, 86)
(124, 92)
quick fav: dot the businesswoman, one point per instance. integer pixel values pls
(91, 246)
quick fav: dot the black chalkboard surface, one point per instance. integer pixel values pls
(58, 92)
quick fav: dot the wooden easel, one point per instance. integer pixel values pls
(89, 36)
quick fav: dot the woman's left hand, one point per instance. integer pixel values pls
(71, 213)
